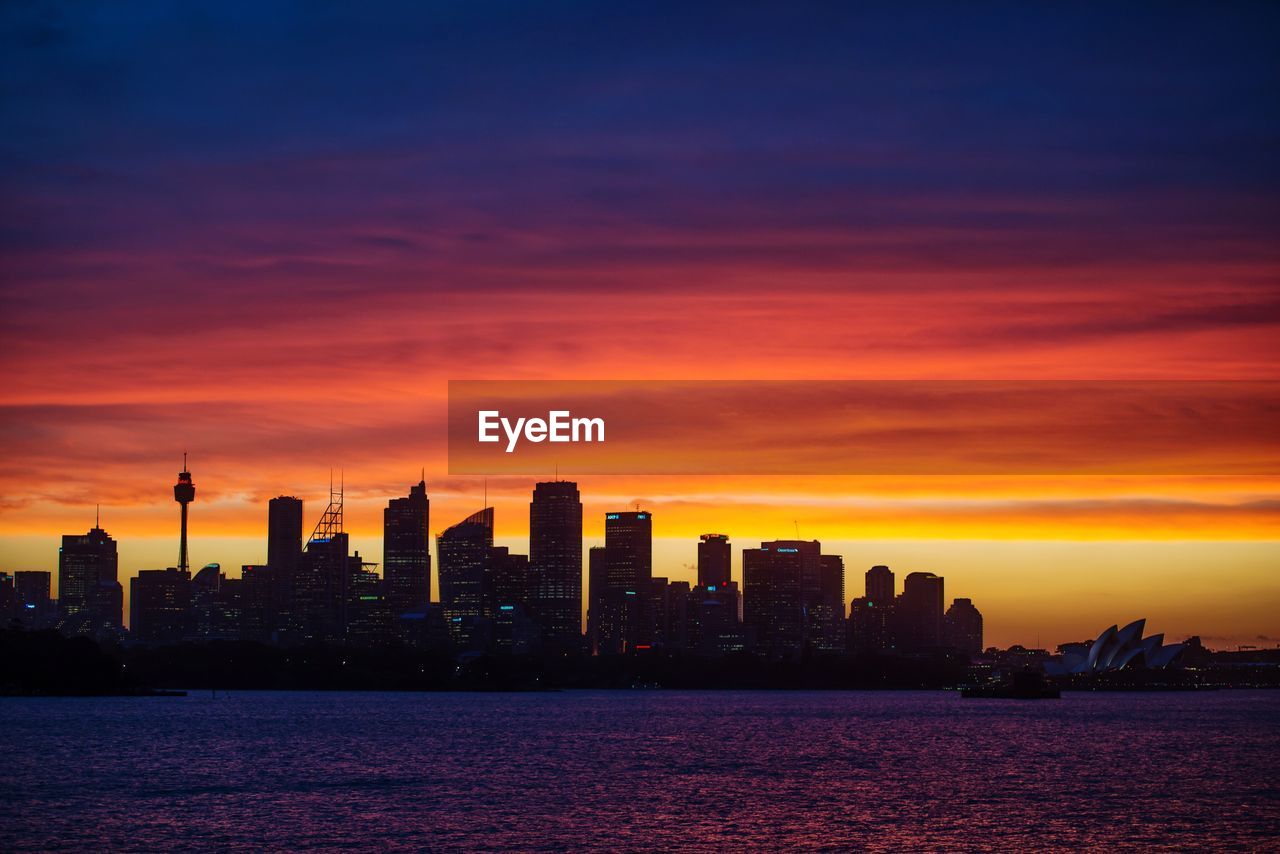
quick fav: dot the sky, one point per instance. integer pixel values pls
(270, 233)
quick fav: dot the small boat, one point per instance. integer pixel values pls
(1029, 685)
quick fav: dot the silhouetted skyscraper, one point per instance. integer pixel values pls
(613, 612)
(160, 605)
(775, 577)
(216, 604)
(327, 580)
(256, 595)
(793, 596)
(464, 559)
(629, 535)
(918, 612)
(880, 584)
(32, 587)
(90, 597)
(824, 605)
(406, 558)
(871, 622)
(620, 575)
(284, 550)
(368, 618)
(184, 492)
(506, 581)
(323, 587)
(871, 626)
(506, 602)
(33, 604)
(284, 533)
(714, 626)
(555, 563)
(963, 627)
(715, 560)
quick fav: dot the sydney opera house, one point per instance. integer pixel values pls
(1114, 650)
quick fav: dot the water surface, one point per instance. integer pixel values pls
(641, 769)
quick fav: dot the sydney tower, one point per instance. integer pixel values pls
(184, 492)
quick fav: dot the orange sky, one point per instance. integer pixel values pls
(267, 405)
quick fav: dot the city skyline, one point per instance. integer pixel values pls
(668, 426)
(738, 550)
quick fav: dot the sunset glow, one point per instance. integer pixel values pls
(214, 252)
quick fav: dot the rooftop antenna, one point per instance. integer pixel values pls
(486, 494)
(331, 521)
(796, 522)
(97, 515)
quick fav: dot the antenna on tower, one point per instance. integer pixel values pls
(97, 515)
(330, 524)
(796, 522)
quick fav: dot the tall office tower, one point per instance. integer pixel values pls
(284, 550)
(506, 603)
(880, 585)
(715, 560)
(629, 536)
(33, 600)
(463, 551)
(32, 587)
(506, 582)
(613, 609)
(555, 564)
(918, 612)
(776, 579)
(871, 626)
(369, 622)
(184, 492)
(620, 576)
(714, 627)
(678, 624)
(90, 597)
(216, 605)
(825, 607)
(255, 603)
(962, 627)
(160, 605)
(326, 580)
(665, 615)
(406, 556)
(323, 586)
